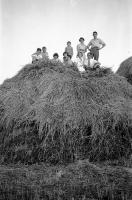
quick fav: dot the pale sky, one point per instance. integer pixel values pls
(28, 24)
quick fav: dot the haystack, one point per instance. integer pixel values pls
(125, 69)
(81, 180)
(51, 113)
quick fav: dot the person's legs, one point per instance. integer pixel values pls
(95, 53)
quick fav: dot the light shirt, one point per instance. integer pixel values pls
(81, 48)
(96, 43)
(69, 50)
(45, 55)
(55, 61)
(91, 62)
(80, 64)
(36, 57)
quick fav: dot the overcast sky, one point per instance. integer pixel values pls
(28, 24)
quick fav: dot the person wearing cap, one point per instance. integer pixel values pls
(81, 47)
(69, 49)
(36, 56)
(95, 45)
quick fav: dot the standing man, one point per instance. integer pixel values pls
(95, 45)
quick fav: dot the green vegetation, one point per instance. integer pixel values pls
(51, 114)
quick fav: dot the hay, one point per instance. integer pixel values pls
(81, 180)
(50, 113)
(125, 69)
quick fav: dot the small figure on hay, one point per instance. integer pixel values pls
(44, 53)
(67, 61)
(90, 63)
(81, 47)
(95, 45)
(80, 60)
(65, 57)
(55, 59)
(69, 49)
(36, 56)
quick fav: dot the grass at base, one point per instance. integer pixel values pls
(80, 180)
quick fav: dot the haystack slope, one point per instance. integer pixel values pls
(51, 113)
(125, 69)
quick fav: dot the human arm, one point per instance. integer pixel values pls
(34, 57)
(77, 48)
(89, 45)
(72, 51)
(102, 44)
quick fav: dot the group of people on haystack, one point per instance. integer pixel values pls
(83, 61)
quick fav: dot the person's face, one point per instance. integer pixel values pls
(44, 50)
(80, 55)
(69, 44)
(65, 55)
(55, 57)
(81, 41)
(38, 52)
(95, 35)
(89, 56)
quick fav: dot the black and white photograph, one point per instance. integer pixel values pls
(66, 100)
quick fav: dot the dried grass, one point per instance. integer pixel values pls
(125, 69)
(81, 180)
(50, 113)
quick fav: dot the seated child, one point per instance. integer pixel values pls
(80, 62)
(91, 63)
(36, 56)
(44, 53)
(69, 61)
(55, 59)
(69, 49)
(65, 58)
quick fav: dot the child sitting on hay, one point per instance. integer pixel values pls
(80, 62)
(90, 63)
(36, 56)
(67, 59)
(55, 60)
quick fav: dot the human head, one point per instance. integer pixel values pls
(69, 56)
(81, 39)
(38, 51)
(55, 55)
(68, 43)
(89, 55)
(80, 54)
(65, 54)
(95, 34)
(44, 49)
